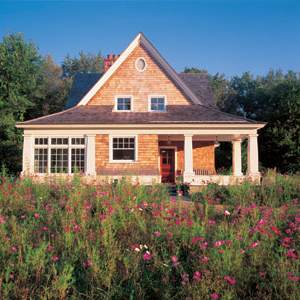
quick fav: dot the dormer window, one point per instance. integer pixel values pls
(123, 104)
(157, 103)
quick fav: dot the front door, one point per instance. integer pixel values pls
(167, 165)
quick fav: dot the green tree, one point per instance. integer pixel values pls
(85, 63)
(52, 90)
(19, 71)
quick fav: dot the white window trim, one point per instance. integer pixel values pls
(50, 146)
(123, 96)
(136, 62)
(111, 160)
(157, 96)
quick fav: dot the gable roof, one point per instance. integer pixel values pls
(82, 83)
(140, 39)
(197, 82)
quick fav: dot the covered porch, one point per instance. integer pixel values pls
(192, 157)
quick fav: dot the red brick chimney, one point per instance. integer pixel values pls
(109, 60)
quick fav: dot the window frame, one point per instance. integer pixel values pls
(157, 96)
(68, 146)
(123, 96)
(136, 64)
(111, 160)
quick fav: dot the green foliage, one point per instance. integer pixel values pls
(85, 63)
(70, 240)
(19, 71)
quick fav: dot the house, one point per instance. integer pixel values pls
(142, 120)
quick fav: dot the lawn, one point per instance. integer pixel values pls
(69, 240)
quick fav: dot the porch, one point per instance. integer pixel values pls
(194, 159)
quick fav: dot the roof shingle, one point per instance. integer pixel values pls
(104, 114)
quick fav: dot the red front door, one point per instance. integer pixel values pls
(167, 165)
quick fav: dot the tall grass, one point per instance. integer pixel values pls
(69, 240)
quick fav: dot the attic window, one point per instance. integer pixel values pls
(140, 64)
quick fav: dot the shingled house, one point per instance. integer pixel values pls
(142, 120)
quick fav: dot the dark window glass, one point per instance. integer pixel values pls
(123, 149)
(41, 160)
(123, 104)
(41, 141)
(77, 160)
(59, 160)
(158, 104)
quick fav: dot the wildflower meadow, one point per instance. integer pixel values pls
(71, 240)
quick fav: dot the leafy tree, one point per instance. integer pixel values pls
(52, 89)
(19, 71)
(85, 63)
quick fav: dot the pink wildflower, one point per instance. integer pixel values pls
(55, 258)
(204, 259)
(218, 244)
(2, 219)
(147, 256)
(292, 277)
(36, 216)
(214, 296)
(14, 249)
(157, 233)
(76, 228)
(197, 276)
(49, 248)
(87, 264)
(174, 260)
(203, 245)
(286, 242)
(262, 274)
(275, 230)
(230, 280)
(292, 254)
(254, 244)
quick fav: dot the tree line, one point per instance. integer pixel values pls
(33, 85)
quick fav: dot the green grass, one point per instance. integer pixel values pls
(68, 240)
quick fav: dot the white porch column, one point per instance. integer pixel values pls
(28, 155)
(252, 155)
(188, 173)
(237, 157)
(90, 168)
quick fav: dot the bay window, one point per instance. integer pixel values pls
(59, 155)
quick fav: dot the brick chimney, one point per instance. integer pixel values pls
(109, 60)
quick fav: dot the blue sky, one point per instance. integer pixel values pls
(226, 36)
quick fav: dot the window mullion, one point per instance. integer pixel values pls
(49, 155)
(69, 157)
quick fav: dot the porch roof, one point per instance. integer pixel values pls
(175, 114)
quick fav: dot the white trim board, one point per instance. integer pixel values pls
(140, 39)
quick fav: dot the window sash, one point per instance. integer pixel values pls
(123, 149)
(123, 104)
(157, 104)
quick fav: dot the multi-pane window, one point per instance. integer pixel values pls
(59, 160)
(123, 103)
(123, 148)
(157, 104)
(40, 160)
(59, 155)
